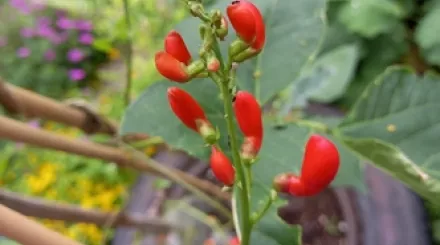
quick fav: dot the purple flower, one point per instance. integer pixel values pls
(45, 31)
(43, 21)
(27, 32)
(23, 52)
(77, 74)
(65, 23)
(86, 38)
(21, 5)
(3, 41)
(34, 123)
(50, 55)
(60, 38)
(75, 55)
(84, 25)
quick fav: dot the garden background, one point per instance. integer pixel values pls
(99, 55)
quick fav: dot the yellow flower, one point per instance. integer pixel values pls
(92, 232)
(106, 200)
(45, 176)
(88, 201)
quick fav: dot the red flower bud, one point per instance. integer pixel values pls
(186, 108)
(176, 47)
(234, 241)
(248, 114)
(222, 167)
(170, 67)
(320, 163)
(281, 182)
(213, 64)
(248, 23)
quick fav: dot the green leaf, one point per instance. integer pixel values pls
(370, 18)
(426, 35)
(151, 114)
(340, 64)
(294, 31)
(392, 46)
(393, 161)
(400, 108)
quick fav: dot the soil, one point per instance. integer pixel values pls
(320, 217)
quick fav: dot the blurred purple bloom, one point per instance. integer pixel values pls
(84, 25)
(65, 23)
(34, 123)
(23, 52)
(43, 21)
(75, 55)
(46, 31)
(60, 38)
(77, 74)
(21, 5)
(3, 41)
(86, 38)
(27, 32)
(50, 55)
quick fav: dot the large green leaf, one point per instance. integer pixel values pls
(393, 161)
(401, 108)
(294, 31)
(392, 47)
(370, 18)
(340, 64)
(282, 152)
(426, 35)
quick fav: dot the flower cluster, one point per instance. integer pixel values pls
(175, 62)
(60, 44)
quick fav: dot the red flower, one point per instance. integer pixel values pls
(320, 163)
(281, 182)
(176, 47)
(248, 114)
(222, 167)
(248, 23)
(298, 188)
(186, 108)
(234, 241)
(170, 67)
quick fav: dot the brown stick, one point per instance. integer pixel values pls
(41, 208)
(17, 100)
(18, 131)
(28, 232)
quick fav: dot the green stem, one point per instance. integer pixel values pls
(241, 170)
(129, 54)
